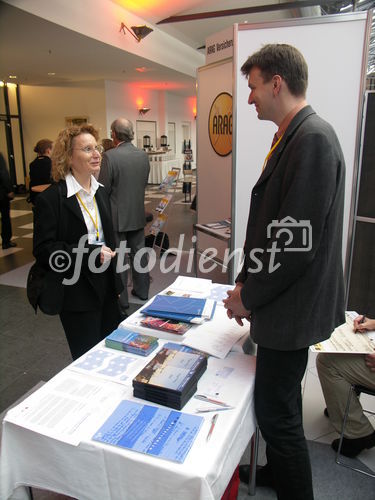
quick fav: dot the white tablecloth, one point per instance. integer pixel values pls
(95, 471)
(159, 170)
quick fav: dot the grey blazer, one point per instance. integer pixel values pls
(300, 302)
(124, 173)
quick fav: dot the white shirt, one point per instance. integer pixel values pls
(74, 188)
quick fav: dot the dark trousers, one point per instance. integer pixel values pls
(84, 329)
(6, 227)
(278, 408)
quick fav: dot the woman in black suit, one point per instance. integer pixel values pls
(73, 236)
(40, 168)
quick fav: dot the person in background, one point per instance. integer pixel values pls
(292, 289)
(337, 372)
(6, 194)
(124, 173)
(40, 168)
(77, 206)
(107, 144)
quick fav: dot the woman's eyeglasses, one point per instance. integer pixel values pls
(90, 150)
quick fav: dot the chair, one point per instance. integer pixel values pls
(358, 389)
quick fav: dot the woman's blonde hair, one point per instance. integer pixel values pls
(62, 149)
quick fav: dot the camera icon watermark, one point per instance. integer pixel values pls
(297, 234)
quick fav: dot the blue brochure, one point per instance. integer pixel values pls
(160, 432)
(180, 308)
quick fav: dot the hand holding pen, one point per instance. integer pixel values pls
(362, 324)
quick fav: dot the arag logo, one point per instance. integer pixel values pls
(220, 124)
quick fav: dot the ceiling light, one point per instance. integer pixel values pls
(138, 32)
(2, 83)
(12, 76)
(51, 74)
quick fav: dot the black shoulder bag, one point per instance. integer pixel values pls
(44, 286)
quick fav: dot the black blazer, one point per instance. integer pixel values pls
(300, 302)
(40, 173)
(61, 232)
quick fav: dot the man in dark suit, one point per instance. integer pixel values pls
(291, 283)
(124, 173)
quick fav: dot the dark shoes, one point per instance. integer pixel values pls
(9, 244)
(352, 447)
(263, 476)
(136, 295)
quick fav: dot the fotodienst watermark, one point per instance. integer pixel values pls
(294, 236)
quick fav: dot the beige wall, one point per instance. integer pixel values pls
(44, 110)
(122, 98)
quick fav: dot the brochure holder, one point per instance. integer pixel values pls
(168, 187)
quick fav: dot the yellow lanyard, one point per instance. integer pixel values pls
(270, 152)
(95, 222)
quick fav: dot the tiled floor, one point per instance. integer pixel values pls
(33, 347)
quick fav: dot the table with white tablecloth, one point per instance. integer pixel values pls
(92, 470)
(159, 170)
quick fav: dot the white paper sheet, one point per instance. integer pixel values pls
(344, 340)
(187, 284)
(217, 336)
(110, 364)
(69, 408)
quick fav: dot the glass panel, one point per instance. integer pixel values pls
(366, 200)
(3, 141)
(17, 151)
(362, 279)
(144, 127)
(172, 136)
(2, 101)
(12, 96)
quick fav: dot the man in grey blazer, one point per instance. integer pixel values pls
(124, 172)
(291, 283)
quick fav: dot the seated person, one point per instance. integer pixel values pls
(336, 373)
(40, 168)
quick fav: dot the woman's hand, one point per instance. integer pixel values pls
(106, 254)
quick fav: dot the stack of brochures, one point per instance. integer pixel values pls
(128, 341)
(170, 378)
(166, 325)
(188, 309)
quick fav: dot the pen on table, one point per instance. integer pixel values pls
(202, 397)
(212, 426)
(208, 410)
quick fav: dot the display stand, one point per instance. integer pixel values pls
(168, 187)
(187, 170)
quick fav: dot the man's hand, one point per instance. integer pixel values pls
(234, 306)
(362, 324)
(11, 195)
(370, 362)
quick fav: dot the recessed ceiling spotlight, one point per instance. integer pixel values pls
(12, 76)
(142, 69)
(51, 73)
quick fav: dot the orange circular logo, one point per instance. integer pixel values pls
(220, 124)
